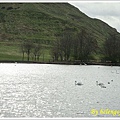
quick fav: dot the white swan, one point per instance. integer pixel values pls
(102, 86)
(78, 83)
(99, 83)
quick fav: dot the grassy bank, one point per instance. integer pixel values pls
(11, 51)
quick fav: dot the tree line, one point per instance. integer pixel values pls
(112, 48)
(32, 49)
(71, 45)
(78, 46)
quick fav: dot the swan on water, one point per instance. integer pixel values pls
(99, 83)
(102, 86)
(78, 83)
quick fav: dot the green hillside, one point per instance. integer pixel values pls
(41, 22)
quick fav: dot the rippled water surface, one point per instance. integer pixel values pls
(44, 90)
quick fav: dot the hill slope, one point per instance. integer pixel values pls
(40, 22)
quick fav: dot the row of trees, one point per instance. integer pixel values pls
(78, 46)
(112, 48)
(74, 45)
(31, 49)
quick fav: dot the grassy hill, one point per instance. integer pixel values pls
(40, 22)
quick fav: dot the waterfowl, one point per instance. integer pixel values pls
(78, 83)
(102, 86)
(84, 63)
(99, 83)
(111, 80)
(108, 82)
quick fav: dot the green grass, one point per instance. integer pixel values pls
(41, 22)
(11, 52)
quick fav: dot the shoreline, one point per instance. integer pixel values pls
(65, 63)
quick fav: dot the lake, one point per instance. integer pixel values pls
(49, 91)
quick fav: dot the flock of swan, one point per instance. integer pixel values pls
(102, 85)
(98, 84)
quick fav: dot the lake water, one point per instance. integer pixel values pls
(49, 91)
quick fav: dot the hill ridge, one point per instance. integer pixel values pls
(42, 21)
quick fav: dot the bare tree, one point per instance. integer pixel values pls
(66, 44)
(62, 46)
(28, 46)
(84, 45)
(55, 50)
(22, 47)
(36, 51)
